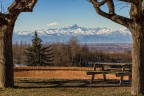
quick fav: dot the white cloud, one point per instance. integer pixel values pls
(53, 24)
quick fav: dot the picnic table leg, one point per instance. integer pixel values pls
(104, 75)
(93, 75)
(92, 78)
(121, 80)
(130, 76)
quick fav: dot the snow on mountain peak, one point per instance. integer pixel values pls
(75, 26)
(83, 34)
(104, 31)
(76, 30)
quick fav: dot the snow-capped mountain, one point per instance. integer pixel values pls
(83, 35)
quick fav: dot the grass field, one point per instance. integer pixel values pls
(59, 87)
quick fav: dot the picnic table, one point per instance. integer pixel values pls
(119, 69)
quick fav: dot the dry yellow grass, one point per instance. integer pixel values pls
(58, 73)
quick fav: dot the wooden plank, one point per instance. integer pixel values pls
(103, 63)
(113, 69)
(91, 72)
(123, 74)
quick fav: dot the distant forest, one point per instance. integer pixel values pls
(71, 54)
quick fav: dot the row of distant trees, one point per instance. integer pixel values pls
(62, 54)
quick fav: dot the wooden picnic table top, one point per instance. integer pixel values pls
(104, 63)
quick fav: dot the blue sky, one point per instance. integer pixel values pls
(61, 13)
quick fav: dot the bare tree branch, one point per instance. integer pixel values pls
(130, 1)
(111, 15)
(110, 5)
(98, 4)
(13, 6)
(33, 3)
(22, 6)
(8, 16)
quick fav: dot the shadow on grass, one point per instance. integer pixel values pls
(60, 83)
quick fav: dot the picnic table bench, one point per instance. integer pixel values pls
(119, 69)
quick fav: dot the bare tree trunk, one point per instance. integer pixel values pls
(6, 58)
(138, 61)
(9, 58)
(2, 59)
(7, 21)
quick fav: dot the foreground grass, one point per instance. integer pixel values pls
(53, 87)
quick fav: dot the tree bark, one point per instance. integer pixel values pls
(137, 60)
(6, 57)
(2, 59)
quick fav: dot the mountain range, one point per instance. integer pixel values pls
(83, 35)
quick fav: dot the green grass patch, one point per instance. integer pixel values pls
(59, 87)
